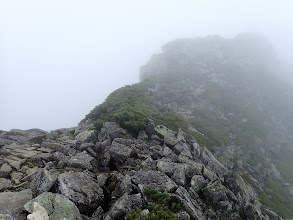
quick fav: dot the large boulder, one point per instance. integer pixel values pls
(153, 179)
(119, 152)
(82, 189)
(84, 136)
(170, 137)
(12, 203)
(211, 162)
(111, 131)
(56, 205)
(83, 161)
(190, 205)
(43, 181)
(216, 195)
(181, 173)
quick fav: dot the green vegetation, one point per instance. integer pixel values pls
(130, 107)
(160, 207)
(278, 199)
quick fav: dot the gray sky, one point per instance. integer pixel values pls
(60, 58)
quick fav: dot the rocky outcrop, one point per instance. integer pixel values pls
(72, 182)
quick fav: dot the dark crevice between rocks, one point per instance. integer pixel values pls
(112, 164)
(108, 188)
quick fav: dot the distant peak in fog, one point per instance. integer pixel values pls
(213, 51)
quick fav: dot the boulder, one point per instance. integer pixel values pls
(215, 193)
(39, 212)
(211, 162)
(119, 152)
(4, 184)
(197, 183)
(189, 204)
(84, 146)
(5, 170)
(153, 179)
(170, 137)
(82, 161)
(56, 205)
(43, 181)
(110, 131)
(82, 189)
(12, 202)
(84, 136)
(120, 208)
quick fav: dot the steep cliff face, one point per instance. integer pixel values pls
(204, 135)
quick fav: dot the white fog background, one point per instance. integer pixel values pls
(60, 58)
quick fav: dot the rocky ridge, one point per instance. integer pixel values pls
(230, 119)
(79, 173)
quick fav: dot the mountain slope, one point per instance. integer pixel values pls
(206, 134)
(226, 94)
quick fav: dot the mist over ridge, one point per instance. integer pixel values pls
(53, 57)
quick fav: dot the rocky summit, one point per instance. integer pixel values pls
(203, 136)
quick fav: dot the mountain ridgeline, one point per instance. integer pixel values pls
(205, 135)
(225, 93)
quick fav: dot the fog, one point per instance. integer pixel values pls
(58, 59)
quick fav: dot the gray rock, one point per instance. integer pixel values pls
(110, 131)
(84, 136)
(4, 184)
(57, 206)
(126, 185)
(272, 215)
(4, 141)
(5, 170)
(166, 167)
(197, 183)
(82, 189)
(211, 162)
(12, 202)
(142, 135)
(170, 137)
(120, 208)
(43, 181)
(136, 201)
(209, 175)
(84, 146)
(182, 215)
(119, 152)
(39, 212)
(214, 193)
(98, 214)
(26, 136)
(102, 178)
(83, 161)
(168, 153)
(189, 204)
(154, 179)
(16, 177)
